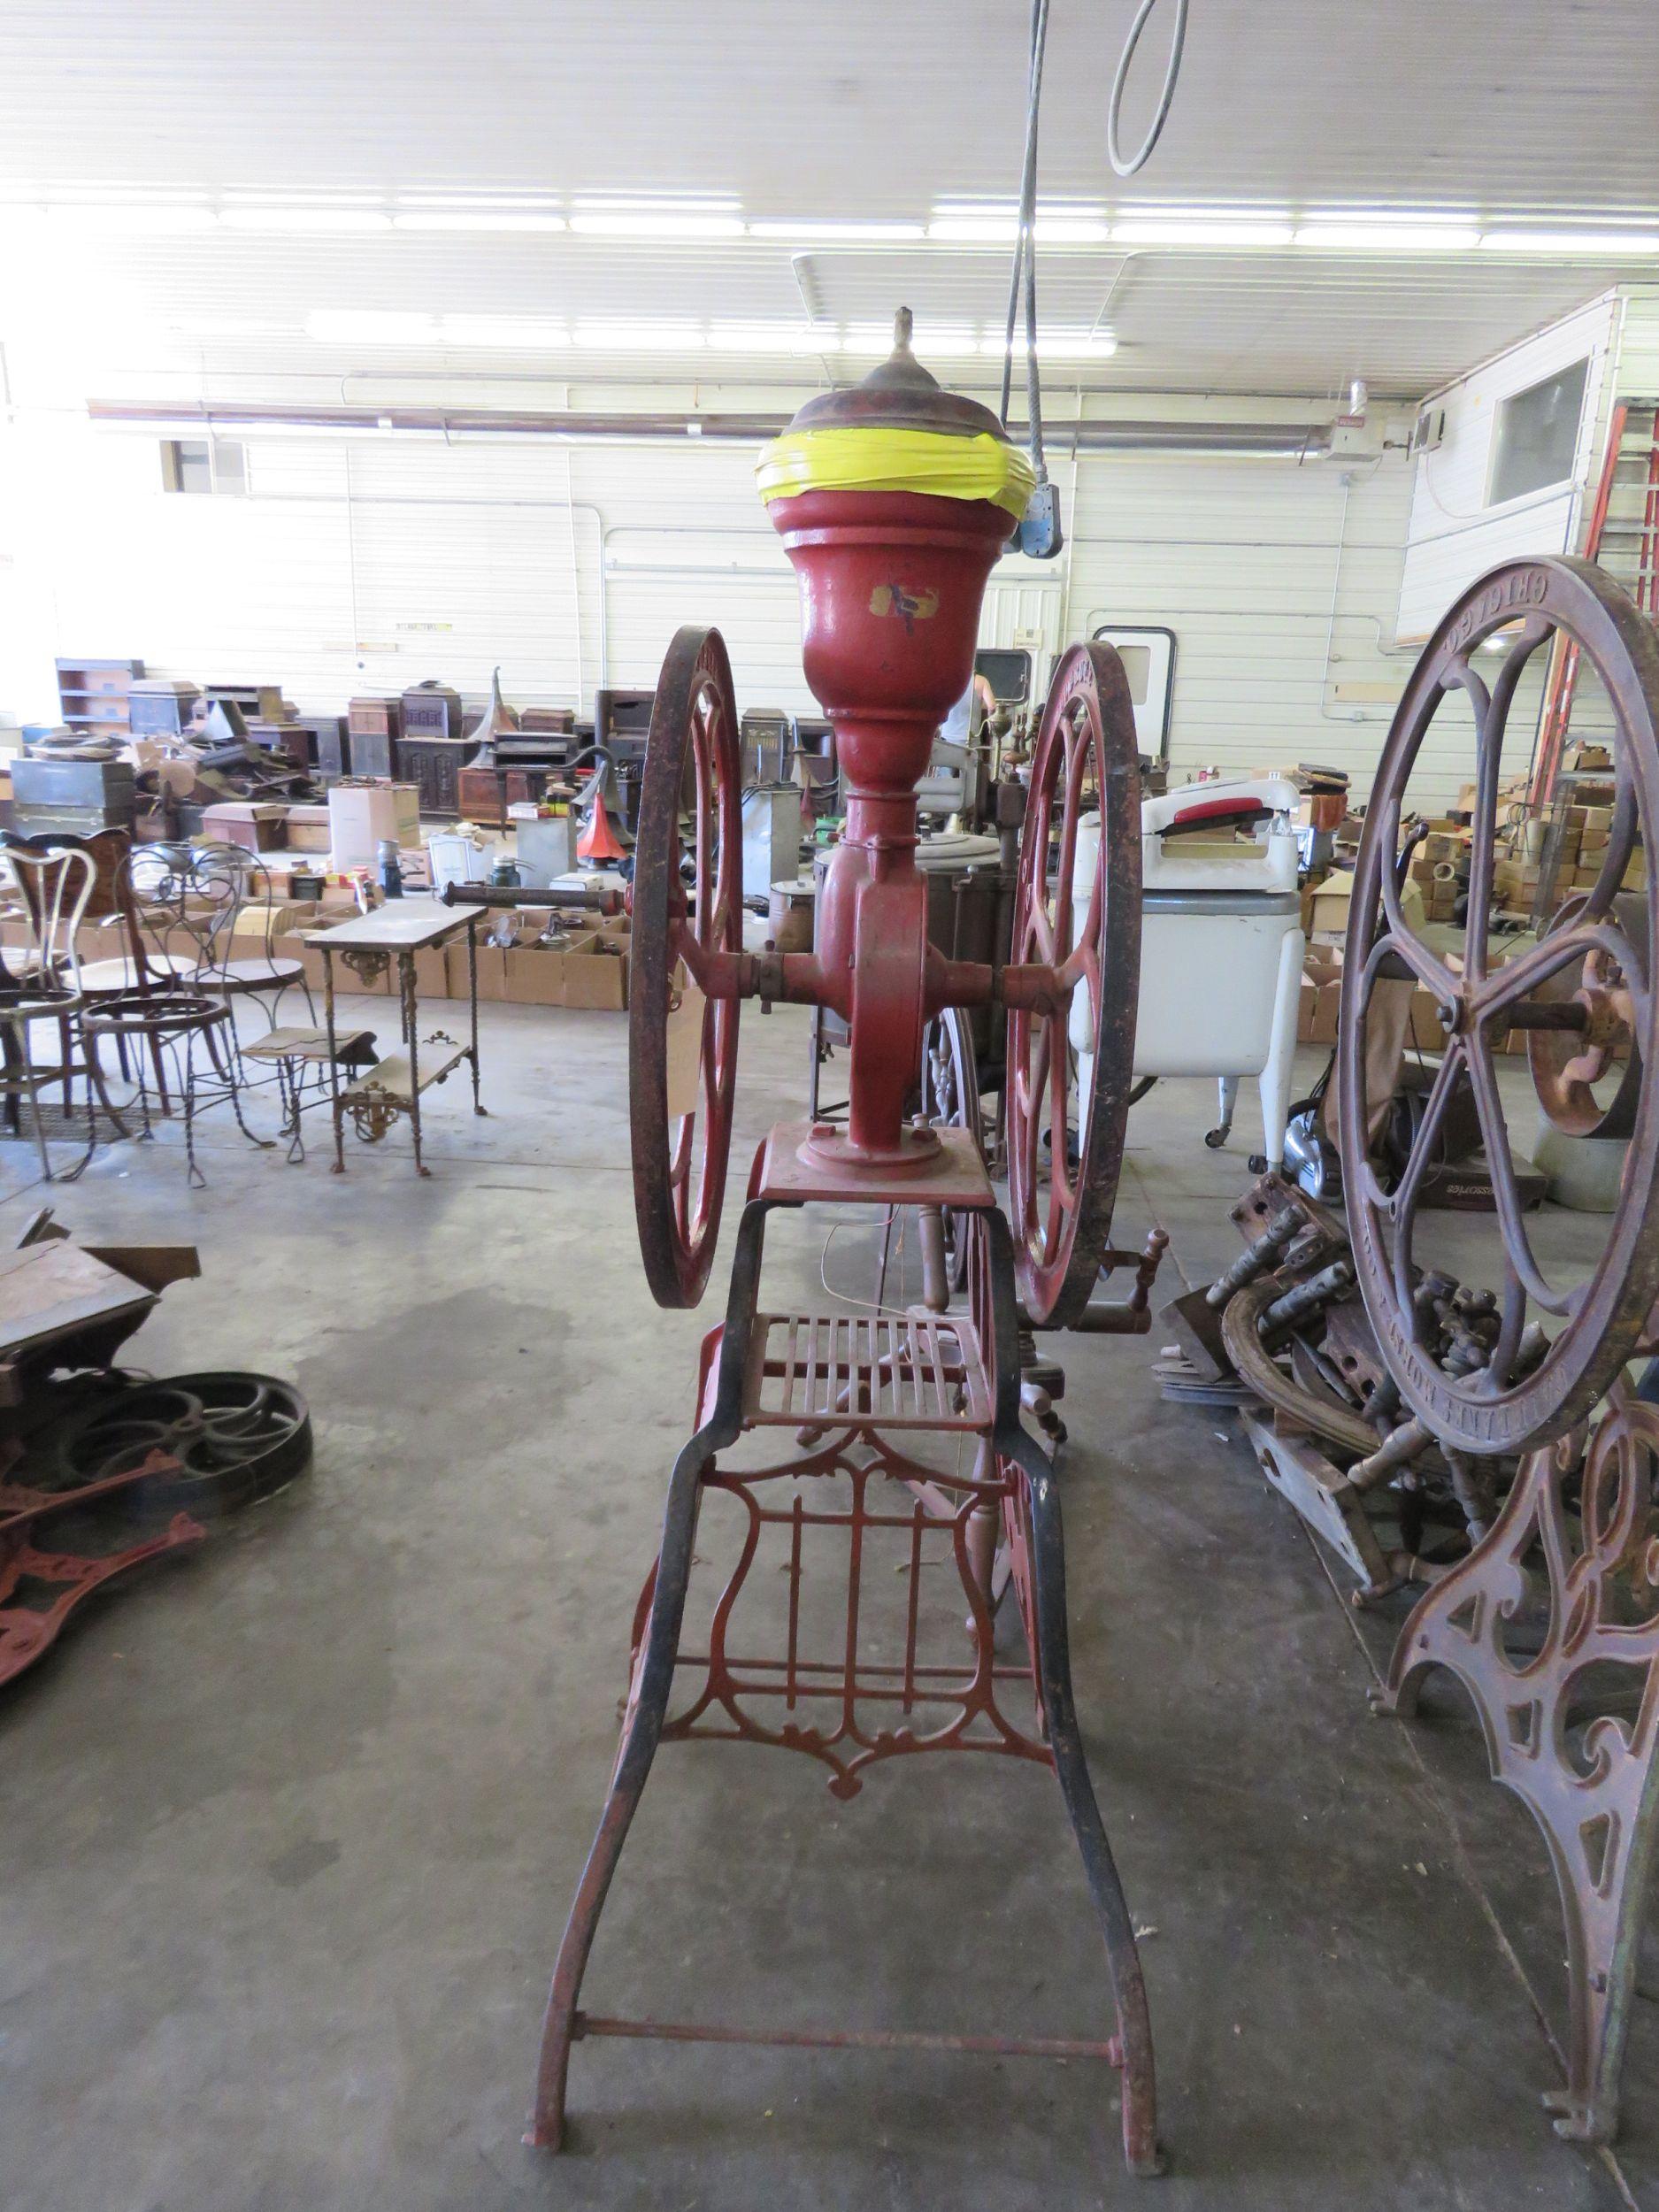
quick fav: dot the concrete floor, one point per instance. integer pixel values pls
(292, 1824)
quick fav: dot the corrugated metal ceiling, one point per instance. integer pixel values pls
(1535, 111)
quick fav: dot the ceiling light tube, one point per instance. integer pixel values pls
(1065, 345)
(304, 219)
(532, 333)
(482, 220)
(1178, 232)
(599, 335)
(638, 223)
(812, 231)
(973, 230)
(1403, 237)
(134, 221)
(1072, 230)
(1571, 245)
(765, 337)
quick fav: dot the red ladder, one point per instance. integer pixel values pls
(1627, 547)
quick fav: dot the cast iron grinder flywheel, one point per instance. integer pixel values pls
(1583, 993)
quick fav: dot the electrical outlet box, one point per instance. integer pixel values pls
(1041, 537)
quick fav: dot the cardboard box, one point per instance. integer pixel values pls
(360, 815)
(1328, 911)
(589, 972)
(257, 825)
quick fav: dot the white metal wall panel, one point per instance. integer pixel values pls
(1279, 585)
(1454, 536)
(326, 575)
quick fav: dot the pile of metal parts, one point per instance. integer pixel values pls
(1284, 1333)
(1489, 1442)
(102, 1470)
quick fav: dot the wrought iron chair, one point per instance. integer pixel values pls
(257, 973)
(176, 904)
(41, 982)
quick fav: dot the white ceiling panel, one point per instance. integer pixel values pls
(1536, 114)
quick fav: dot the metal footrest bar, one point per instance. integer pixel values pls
(1109, 2049)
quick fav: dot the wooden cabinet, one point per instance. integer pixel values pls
(433, 764)
(92, 695)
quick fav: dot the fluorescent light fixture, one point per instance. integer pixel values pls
(304, 219)
(272, 195)
(1058, 344)
(1410, 235)
(1198, 230)
(810, 231)
(775, 337)
(597, 334)
(958, 339)
(522, 334)
(869, 338)
(133, 220)
(476, 202)
(226, 327)
(482, 220)
(664, 224)
(1072, 229)
(973, 230)
(1568, 245)
(369, 327)
(1000, 226)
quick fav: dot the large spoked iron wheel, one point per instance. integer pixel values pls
(1066, 1117)
(682, 1042)
(236, 1437)
(1559, 1345)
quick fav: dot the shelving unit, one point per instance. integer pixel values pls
(92, 695)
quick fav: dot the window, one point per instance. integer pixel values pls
(1535, 435)
(1137, 660)
(203, 465)
(1008, 673)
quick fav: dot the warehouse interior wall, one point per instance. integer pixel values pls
(368, 562)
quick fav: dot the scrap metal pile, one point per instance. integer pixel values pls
(1284, 1331)
(1485, 1438)
(102, 1470)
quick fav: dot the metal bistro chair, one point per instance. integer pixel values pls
(41, 982)
(176, 904)
(259, 973)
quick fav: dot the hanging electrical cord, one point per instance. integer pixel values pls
(1114, 105)
(1035, 535)
(1039, 532)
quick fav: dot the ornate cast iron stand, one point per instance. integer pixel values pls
(873, 1384)
(1586, 1774)
(1584, 995)
(893, 574)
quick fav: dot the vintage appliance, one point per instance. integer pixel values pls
(894, 501)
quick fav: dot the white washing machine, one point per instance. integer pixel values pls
(1221, 942)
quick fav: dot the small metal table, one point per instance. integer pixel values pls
(368, 943)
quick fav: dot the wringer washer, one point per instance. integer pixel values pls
(893, 500)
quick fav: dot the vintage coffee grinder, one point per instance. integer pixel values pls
(894, 501)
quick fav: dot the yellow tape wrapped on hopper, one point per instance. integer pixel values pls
(876, 460)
